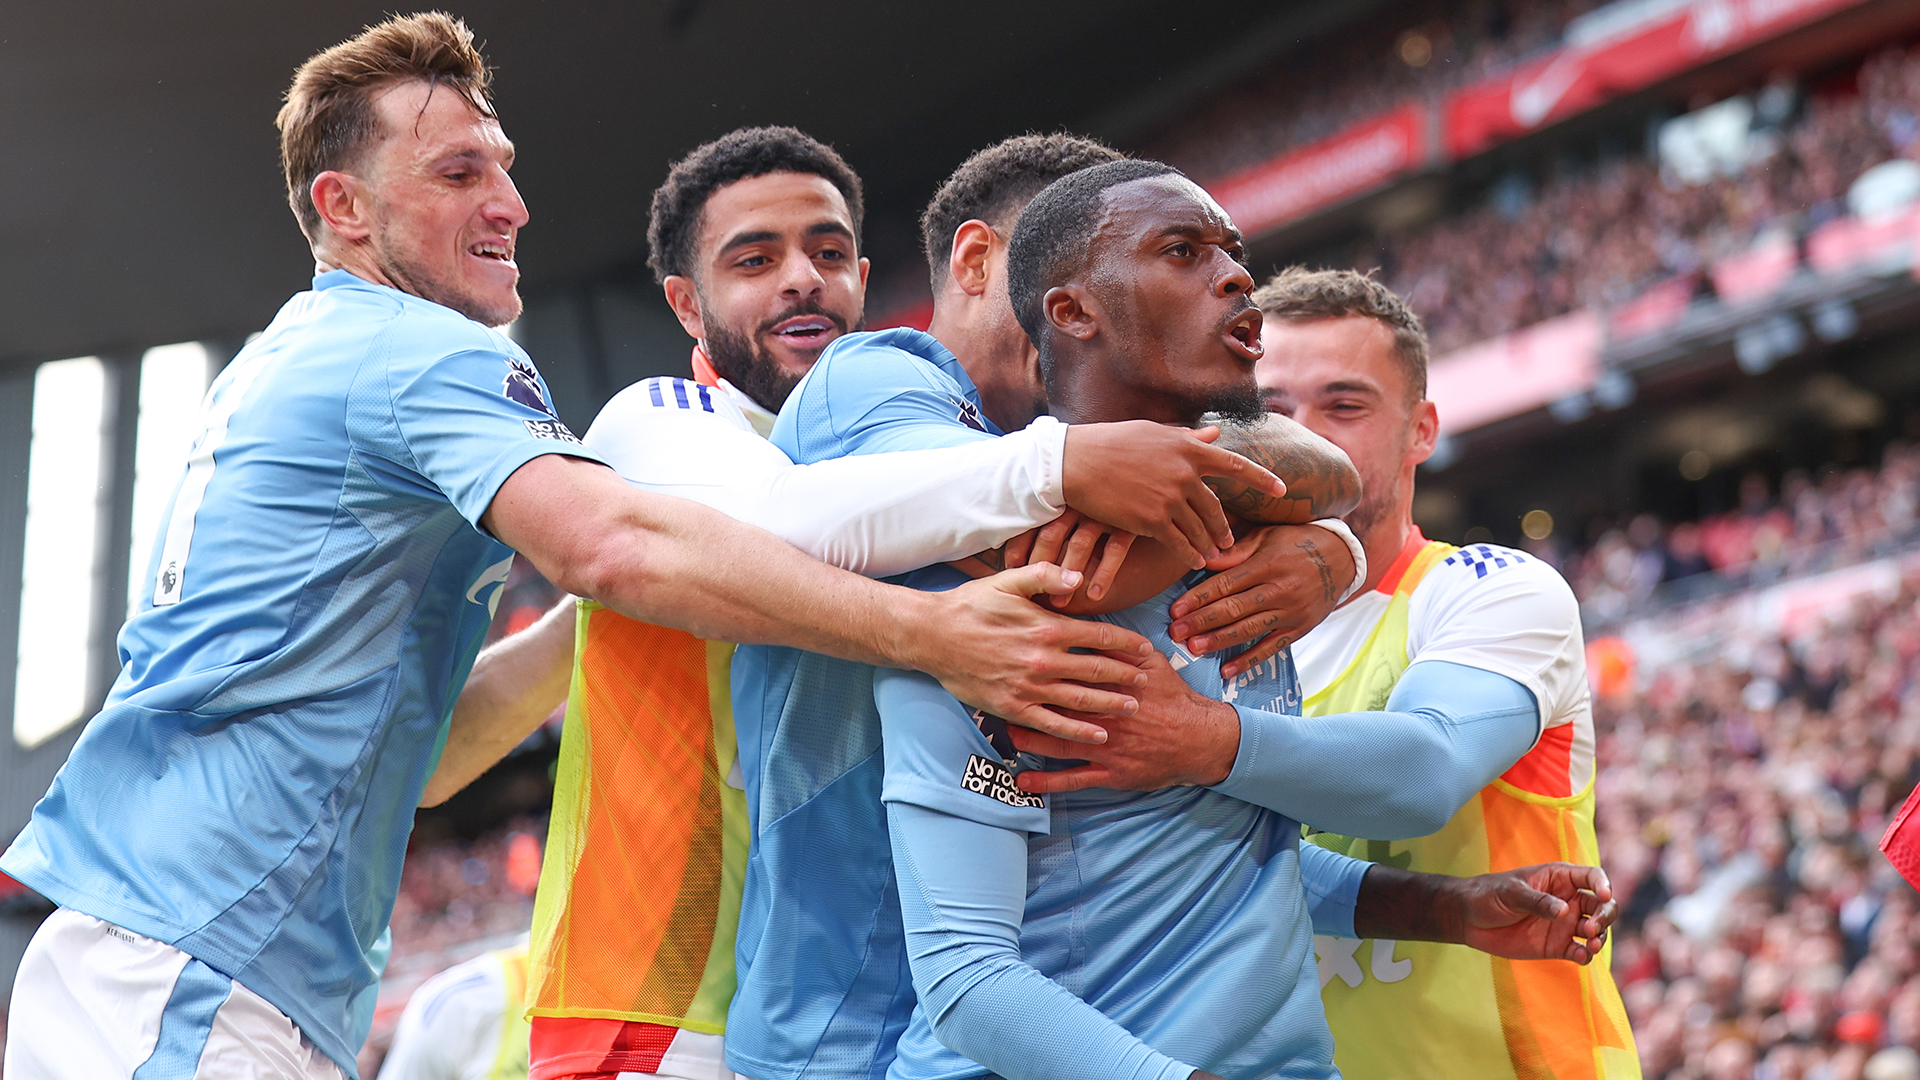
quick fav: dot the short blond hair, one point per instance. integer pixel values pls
(1298, 294)
(328, 120)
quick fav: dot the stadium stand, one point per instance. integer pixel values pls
(1416, 50)
(458, 899)
(1600, 237)
(1816, 522)
(1748, 769)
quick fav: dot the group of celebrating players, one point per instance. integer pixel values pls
(1052, 801)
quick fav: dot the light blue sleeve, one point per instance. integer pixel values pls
(937, 758)
(958, 828)
(464, 421)
(871, 398)
(1448, 731)
(963, 888)
(1333, 882)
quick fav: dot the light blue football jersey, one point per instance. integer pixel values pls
(1179, 913)
(824, 989)
(311, 611)
(824, 986)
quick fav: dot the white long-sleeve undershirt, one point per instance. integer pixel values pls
(874, 514)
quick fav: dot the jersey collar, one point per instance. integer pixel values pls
(704, 374)
(1398, 568)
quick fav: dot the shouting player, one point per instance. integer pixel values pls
(226, 839)
(1176, 916)
(826, 961)
(755, 238)
(1346, 358)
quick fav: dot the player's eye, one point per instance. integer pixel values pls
(1181, 250)
(834, 254)
(753, 262)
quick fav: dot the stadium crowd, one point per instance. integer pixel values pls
(1741, 797)
(1832, 517)
(1597, 236)
(1426, 50)
(454, 892)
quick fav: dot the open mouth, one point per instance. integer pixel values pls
(805, 329)
(496, 250)
(1242, 334)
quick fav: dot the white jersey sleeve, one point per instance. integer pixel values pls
(874, 514)
(1504, 611)
(450, 1029)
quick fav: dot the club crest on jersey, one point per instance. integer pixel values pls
(523, 385)
(969, 414)
(985, 776)
(995, 729)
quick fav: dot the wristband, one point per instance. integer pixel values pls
(1339, 529)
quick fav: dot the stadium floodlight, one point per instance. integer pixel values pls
(1614, 390)
(1834, 321)
(1760, 346)
(1571, 409)
(60, 571)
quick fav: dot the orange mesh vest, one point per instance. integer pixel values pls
(1424, 1009)
(646, 850)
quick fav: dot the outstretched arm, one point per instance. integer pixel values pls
(515, 685)
(1553, 911)
(672, 562)
(1448, 730)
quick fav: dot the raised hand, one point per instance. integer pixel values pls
(1176, 737)
(995, 649)
(1150, 479)
(1072, 540)
(1276, 584)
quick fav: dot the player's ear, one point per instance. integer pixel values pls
(684, 299)
(1426, 432)
(1071, 310)
(972, 249)
(342, 202)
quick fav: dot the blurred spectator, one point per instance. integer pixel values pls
(1739, 808)
(1598, 237)
(452, 893)
(1842, 517)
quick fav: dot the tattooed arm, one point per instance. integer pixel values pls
(1321, 479)
(1329, 486)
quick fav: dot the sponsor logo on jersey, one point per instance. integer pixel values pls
(495, 575)
(968, 414)
(522, 384)
(551, 429)
(985, 776)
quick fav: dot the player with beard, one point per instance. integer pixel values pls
(1178, 915)
(803, 1011)
(1348, 359)
(227, 836)
(755, 240)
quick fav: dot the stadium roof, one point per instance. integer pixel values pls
(142, 199)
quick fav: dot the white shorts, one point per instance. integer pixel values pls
(95, 1002)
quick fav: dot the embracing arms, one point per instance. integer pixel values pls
(1446, 732)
